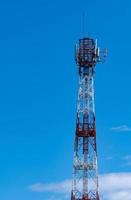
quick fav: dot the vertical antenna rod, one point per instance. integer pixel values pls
(85, 175)
(83, 24)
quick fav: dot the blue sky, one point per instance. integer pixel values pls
(38, 93)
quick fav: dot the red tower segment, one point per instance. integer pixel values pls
(85, 176)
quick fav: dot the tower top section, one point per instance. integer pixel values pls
(87, 54)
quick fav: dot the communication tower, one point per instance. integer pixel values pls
(85, 174)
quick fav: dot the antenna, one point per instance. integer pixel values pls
(84, 24)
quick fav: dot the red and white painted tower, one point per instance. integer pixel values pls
(85, 175)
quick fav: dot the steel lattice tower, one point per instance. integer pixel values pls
(85, 175)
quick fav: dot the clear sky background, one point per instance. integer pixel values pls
(38, 94)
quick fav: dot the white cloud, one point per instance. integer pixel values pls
(122, 128)
(118, 195)
(115, 181)
(113, 186)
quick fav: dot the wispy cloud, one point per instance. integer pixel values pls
(57, 187)
(113, 186)
(127, 160)
(58, 197)
(122, 128)
(109, 158)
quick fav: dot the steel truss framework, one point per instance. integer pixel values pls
(85, 175)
